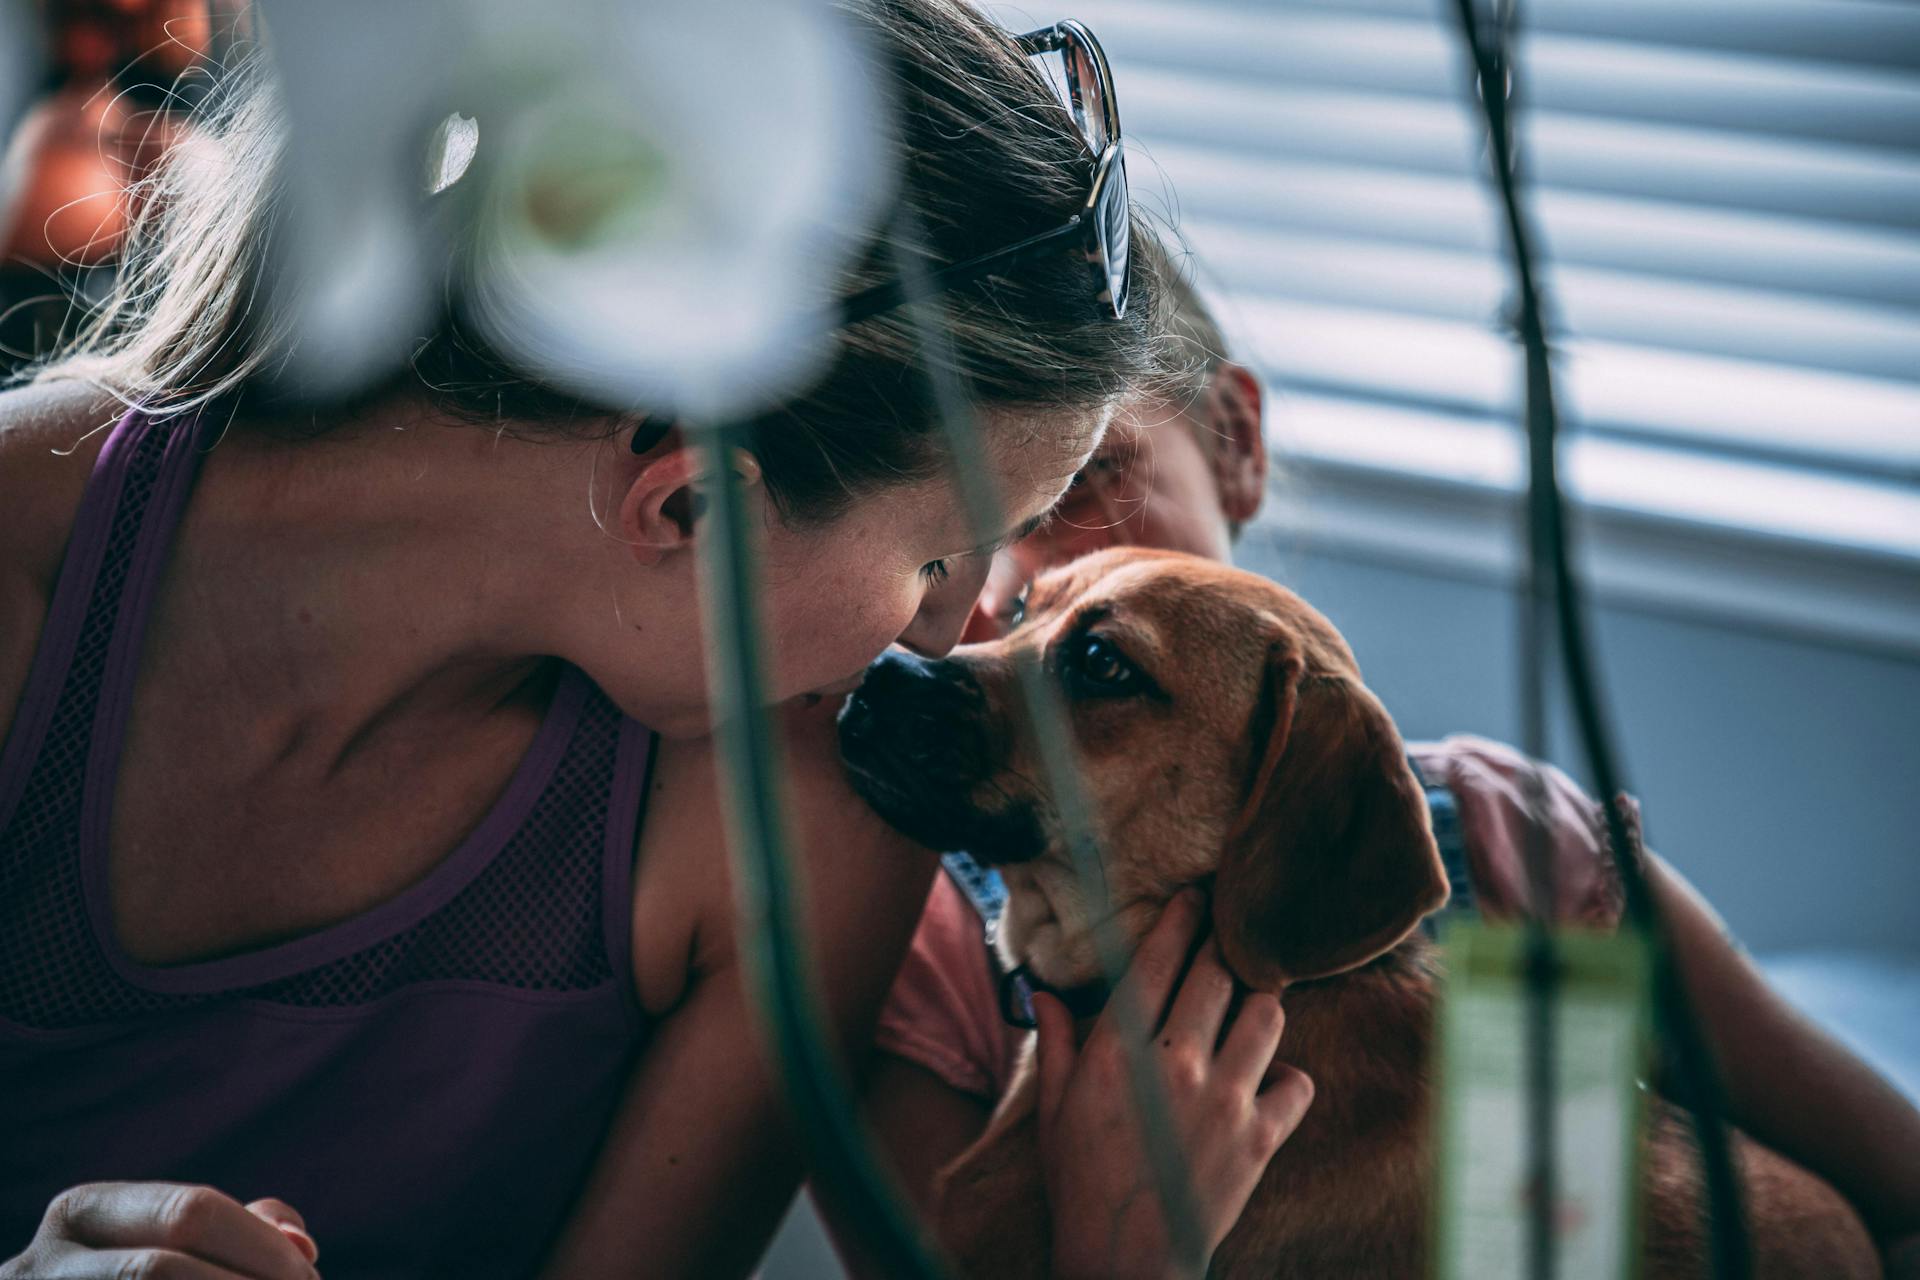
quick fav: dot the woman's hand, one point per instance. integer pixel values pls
(1489, 781)
(1230, 1105)
(165, 1231)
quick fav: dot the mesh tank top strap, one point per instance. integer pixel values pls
(73, 598)
(632, 783)
(47, 959)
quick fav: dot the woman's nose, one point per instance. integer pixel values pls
(944, 610)
(993, 612)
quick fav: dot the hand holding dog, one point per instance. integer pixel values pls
(1230, 1104)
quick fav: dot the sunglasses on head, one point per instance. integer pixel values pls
(1101, 224)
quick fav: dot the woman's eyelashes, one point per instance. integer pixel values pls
(935, 572)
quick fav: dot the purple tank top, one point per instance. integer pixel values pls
(427, 1082)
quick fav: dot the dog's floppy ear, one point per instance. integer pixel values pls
(1332, 860)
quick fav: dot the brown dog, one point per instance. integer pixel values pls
(1225, 737)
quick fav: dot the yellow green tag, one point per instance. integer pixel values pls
(1601, 1017)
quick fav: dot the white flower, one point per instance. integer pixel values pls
(659, 196)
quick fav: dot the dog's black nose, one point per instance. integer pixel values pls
(910, 691)
(915, 716)
(919, 737)
(897, 672)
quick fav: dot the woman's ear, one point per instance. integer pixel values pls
(665, 499)
(1236, 421)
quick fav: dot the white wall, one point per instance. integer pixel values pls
(1781, 774)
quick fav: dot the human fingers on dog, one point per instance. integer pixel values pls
(1282, 1104)
(1155, 971)
(1252, 1040)
(1200, 1007)
(1054, 1048)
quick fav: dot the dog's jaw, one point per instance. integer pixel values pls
(1048, 928)
(1031, 932)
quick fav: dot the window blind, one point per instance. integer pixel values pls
(1728, 197)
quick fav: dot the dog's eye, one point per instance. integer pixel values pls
(1097, 663)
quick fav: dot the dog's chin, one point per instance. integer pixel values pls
(1058, 957)
(1055, 946)
(1047, 930)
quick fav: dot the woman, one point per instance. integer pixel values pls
(1185, 473)
(362, 877)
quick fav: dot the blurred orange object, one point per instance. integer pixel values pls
(73, 160)
(72, 164)
(173, 34)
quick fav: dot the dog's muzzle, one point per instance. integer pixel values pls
(918, 741)
(918, 716)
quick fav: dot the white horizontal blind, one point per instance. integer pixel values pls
(1728, 192)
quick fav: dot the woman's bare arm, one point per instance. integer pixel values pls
(1789, 1083)
(920, 1124)
(702, 1159)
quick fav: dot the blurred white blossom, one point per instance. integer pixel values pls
(20, 77)
(658, 197)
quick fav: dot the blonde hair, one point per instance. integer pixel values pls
(1190, 328)
(172, 335)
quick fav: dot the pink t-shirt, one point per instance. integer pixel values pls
(944, 1011)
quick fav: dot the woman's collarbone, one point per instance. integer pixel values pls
(209, 859)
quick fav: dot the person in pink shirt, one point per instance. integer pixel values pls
(1187, 475)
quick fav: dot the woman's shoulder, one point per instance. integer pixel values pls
(49, 437)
